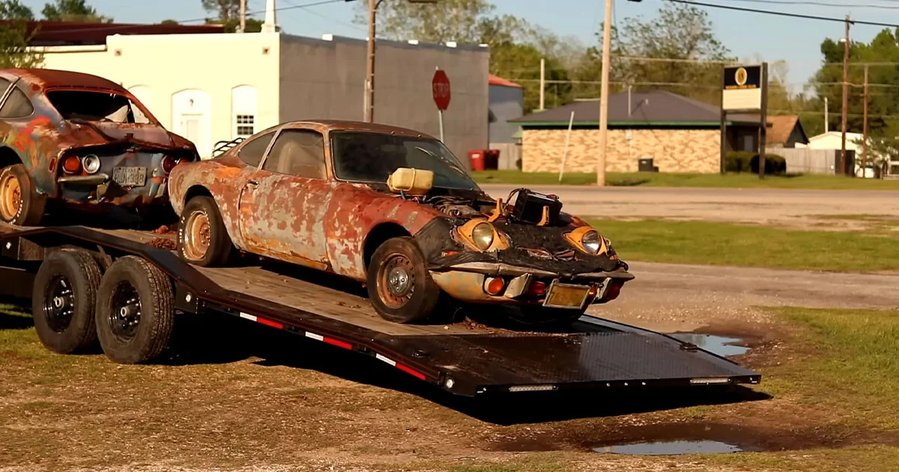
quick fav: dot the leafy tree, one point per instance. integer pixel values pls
(681, 33)
(14, 10)
(14, 36)
(227, 10)
(73, 10)
(446, 20)
(883, 102)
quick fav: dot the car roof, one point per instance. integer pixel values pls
(347, 125)
(49, 78)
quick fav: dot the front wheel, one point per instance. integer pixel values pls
(202, 238)
(20, 204)
(399, 284)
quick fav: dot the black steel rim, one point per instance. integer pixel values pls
(126, 312)
(59, 304)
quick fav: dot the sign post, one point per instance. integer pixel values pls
(440, 86)
(745, 89)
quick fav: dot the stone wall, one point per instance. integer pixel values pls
(673, 150)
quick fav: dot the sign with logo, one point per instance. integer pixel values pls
(742, 88)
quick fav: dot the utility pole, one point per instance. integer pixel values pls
(542, 83)
(826, 116)
(604, 94)
(844, 165)
(243, 16)
(865, 127)
(370, 63)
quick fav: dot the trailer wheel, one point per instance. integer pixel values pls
(399, 285)
(20, 204)
(65, 289)
(135, 313)
(202, 238)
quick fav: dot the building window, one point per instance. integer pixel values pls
(245, 125)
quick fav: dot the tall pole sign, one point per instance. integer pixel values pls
(745, 89)
(440, 86)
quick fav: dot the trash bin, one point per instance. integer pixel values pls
(476, 159)
(491, 159)
(645, 164)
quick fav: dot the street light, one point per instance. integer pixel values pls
(369, 115)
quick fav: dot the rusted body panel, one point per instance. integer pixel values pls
(40, 140)
(330, 224)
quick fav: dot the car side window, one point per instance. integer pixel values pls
(17, 105)
(252, 152)
(298, 152)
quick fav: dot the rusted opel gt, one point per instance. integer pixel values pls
(392, 208)
(78, 138)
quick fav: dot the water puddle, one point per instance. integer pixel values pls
(667, 448)
(720, 345)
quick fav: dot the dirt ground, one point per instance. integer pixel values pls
(235, 396)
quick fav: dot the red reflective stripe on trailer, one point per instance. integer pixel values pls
(273, 324)
(338, 343)
(409, 371)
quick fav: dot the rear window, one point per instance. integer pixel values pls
(96, 106)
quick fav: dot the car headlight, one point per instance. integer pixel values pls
(91, 163)
(482, 235)
(592, 242)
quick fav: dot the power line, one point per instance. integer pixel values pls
(821, 4)
(783, 13)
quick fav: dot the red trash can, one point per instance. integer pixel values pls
(476, 158)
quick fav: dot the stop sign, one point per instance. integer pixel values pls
(441, 88)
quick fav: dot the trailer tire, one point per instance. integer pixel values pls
(412, 295)
(63, 299)
(202, 237)
(135, 313)
(20, 204)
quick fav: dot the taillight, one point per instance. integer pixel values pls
(494, 285)
(612, 291)
(71, 165)
(537, 289)
(91, 163)
(169, 163)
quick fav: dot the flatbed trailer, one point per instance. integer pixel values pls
(462, 359)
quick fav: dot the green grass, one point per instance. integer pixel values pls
(649, 179)
(701, 242)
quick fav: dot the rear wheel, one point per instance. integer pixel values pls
(65, 289)
(135, 312)
(399, 284)
(20, 204)
(202, 238)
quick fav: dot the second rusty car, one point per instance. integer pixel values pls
(68, 137)
(395, 209)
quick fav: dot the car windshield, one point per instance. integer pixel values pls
(372, 157)
(96, 106)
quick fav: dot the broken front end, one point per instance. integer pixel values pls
(528, 254)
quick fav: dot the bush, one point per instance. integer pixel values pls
(745, 161)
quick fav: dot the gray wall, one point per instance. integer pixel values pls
(506, 103)
(807, 161)
(325, 79)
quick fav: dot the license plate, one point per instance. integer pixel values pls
(130, 176)
(566, 295)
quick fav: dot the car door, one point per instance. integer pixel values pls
(284, 203)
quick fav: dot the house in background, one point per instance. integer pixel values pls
(662, 129)
(219, 86)
(784, 132)
(506, 103)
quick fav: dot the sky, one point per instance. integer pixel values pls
(747, 35)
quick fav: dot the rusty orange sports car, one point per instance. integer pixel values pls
(394, 209)
(81, 140)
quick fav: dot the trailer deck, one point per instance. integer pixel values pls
(464, 359)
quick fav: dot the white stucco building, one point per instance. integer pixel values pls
(213, 87)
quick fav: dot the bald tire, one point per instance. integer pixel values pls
(155, 294)
(425, 293)
(31, 206)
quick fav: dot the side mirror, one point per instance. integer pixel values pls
(411, 181)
